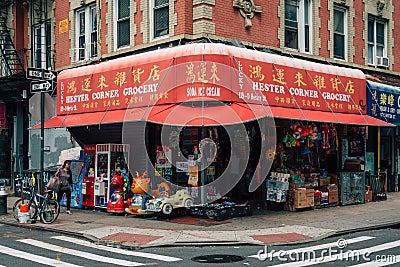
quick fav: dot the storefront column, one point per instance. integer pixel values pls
(379, 149)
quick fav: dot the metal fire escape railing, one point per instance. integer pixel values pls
(10, 61)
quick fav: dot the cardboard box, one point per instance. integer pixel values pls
(333, 196)
(368, 196)
(324, 181)
(300, 195)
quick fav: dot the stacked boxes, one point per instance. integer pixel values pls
(333, 193)
(324, 198)
(301, 198)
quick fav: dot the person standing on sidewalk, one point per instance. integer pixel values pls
(65, 175)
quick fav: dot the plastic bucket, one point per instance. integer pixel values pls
(23, 217)
(24, 208)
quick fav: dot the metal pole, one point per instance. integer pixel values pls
(40, 182)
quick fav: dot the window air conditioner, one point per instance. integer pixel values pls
(382, 62)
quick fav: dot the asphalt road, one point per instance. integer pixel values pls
(24, 247)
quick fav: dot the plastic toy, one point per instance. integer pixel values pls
(166, 205)
(140, 188)
(120, 183)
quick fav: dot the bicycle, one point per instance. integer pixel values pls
(48, 208)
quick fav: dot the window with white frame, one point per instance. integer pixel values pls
(42, 45)
(340, 33)
(159, 18)
(377, 45)
(86, 33)
(123, 23)
(298, 21)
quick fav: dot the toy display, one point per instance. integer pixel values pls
(117, 202)
(140, 188)
(165, 205)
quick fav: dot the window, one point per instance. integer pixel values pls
(376, 40)
(86, 30)
(160, 18)
(298, 25)
(123, 21)
(340, 33)
(42, 45)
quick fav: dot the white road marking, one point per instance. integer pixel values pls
(116, 250)
(391, 261)
(343, 256)
(33, 257)
(78, 253)
(312, 248)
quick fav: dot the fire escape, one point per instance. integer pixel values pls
(11, 62)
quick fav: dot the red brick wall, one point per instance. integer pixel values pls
(184, 9)
(396, 37)
(230, 23)
(103, 28)
(63, 42)
(324, 32)
(138, 21)
(359, 26)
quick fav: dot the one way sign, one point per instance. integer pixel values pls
(39, 74)
(40, 86)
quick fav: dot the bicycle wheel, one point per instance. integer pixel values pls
(50, 211)
(32, 208)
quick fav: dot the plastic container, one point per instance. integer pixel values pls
(3, 200)
(23, 217)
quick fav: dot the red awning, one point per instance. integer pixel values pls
(209, 115)
(167, 114)
(331, 117)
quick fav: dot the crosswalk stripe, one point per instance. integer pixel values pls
(33, 257)
(116, 250)
(342, 256)
(312, 248)
(394, 260)
(78, 253)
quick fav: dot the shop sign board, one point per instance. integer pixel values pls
(154, 79)
(383, 102)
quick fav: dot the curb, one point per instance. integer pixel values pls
(135, 246)
(367, 228)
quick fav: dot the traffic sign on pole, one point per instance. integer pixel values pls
(40, 86)
(40, 74)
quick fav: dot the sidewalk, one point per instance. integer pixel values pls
(271, 227)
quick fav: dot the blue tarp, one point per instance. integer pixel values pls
(383, 102)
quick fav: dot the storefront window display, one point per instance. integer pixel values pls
(196, 156)
(305, 160)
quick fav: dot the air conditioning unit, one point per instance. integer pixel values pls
(382, 62)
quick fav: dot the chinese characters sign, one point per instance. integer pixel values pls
(140, 81)
(383, 102)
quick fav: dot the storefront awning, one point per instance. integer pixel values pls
(211, 115)
(177, 114)
(322, 116)
(180, 86)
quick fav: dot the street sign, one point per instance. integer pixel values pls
(40, 86)
(40, 74)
